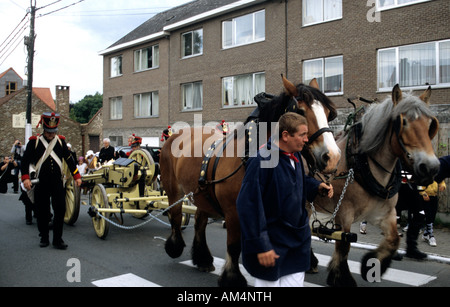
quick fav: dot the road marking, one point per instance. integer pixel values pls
(219, 263)
(126, 280)
(398, 276)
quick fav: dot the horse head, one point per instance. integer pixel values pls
(414, 126)
(321, 152)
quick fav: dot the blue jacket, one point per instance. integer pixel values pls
(444, 170)
(272, 214)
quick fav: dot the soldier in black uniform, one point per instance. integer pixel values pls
(50, 177)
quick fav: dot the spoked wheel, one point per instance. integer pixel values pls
(144, 159)
(99, 199)
(72, 202)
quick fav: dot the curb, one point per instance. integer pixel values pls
(371, 246)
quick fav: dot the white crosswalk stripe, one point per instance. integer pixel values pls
(393, 275)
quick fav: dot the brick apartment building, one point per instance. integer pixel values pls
(210, 57)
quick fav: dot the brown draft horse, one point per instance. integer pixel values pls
(400, 128)
(180, 173)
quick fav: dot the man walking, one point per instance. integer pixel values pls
(276, 237)
(47, 152)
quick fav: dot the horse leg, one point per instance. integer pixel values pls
(339, 273)
(175, 244)
(201, 256)
(231, 275)
(314, 264)
(385, 251)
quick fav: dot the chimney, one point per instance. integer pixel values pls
(63, 100)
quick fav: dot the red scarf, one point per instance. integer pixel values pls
(291, 156)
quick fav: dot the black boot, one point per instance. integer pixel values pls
(411, 242)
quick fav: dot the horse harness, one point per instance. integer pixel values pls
(360, 163)
(261, 99)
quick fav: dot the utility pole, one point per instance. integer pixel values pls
(29, 42)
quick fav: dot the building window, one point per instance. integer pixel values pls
(192, 43)
(317, 11)
(146, 105)
(238, 91)
(415, 65)
(390, 4)
(146, 58)
(11, 87)
(115, 106)
(116, 66)
(192, 96)
(329, 73)
(244, 30)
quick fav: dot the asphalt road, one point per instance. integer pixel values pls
(137, 257)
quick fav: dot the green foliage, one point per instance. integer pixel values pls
(86, 108)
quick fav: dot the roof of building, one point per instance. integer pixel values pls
(162, 23)
(44, 94)
(6, 71)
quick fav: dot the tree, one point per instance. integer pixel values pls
(86, 108)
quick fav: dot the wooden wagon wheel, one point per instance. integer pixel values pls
(99, 199)
(72, 197)
(143, 158)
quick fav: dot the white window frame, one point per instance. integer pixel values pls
(154, 105)
(116, 68)
(396, 4)
(139, 58)
(305, 23)
(183, 56)
(184, 93)
(323, 74)
(232, 80)
(115, 105)
(232, 22)
(438, 83)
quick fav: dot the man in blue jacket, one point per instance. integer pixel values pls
(276, 236)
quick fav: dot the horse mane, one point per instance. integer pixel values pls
(375, 122)
(271, 112)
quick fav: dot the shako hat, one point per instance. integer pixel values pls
(49, 121)
(136, 140)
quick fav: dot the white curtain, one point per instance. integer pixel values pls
(444, 62)
(332, 9)
(418, 64)
(313, 69)
(312, 11)
(154, 104)
(387, 64)
(243, 90)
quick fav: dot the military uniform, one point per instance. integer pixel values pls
(50, 181)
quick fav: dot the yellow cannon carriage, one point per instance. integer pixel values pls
(127, 186)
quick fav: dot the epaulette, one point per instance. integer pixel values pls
(62, 137)
(33, 137)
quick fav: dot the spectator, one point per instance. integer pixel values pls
(17, 151)
(7, 166)
(107, 152)
(82, 165)
(91, 160)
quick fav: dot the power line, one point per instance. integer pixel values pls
(14, 29)
(60, 9)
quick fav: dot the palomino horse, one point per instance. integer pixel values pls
(398, 129)
(180, 172)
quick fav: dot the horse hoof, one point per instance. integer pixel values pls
(367, 269)
(174, 247)
(314, 270)
(340, 276)
(233, 279)
(207, 268)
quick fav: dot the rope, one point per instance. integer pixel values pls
(188, 197)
